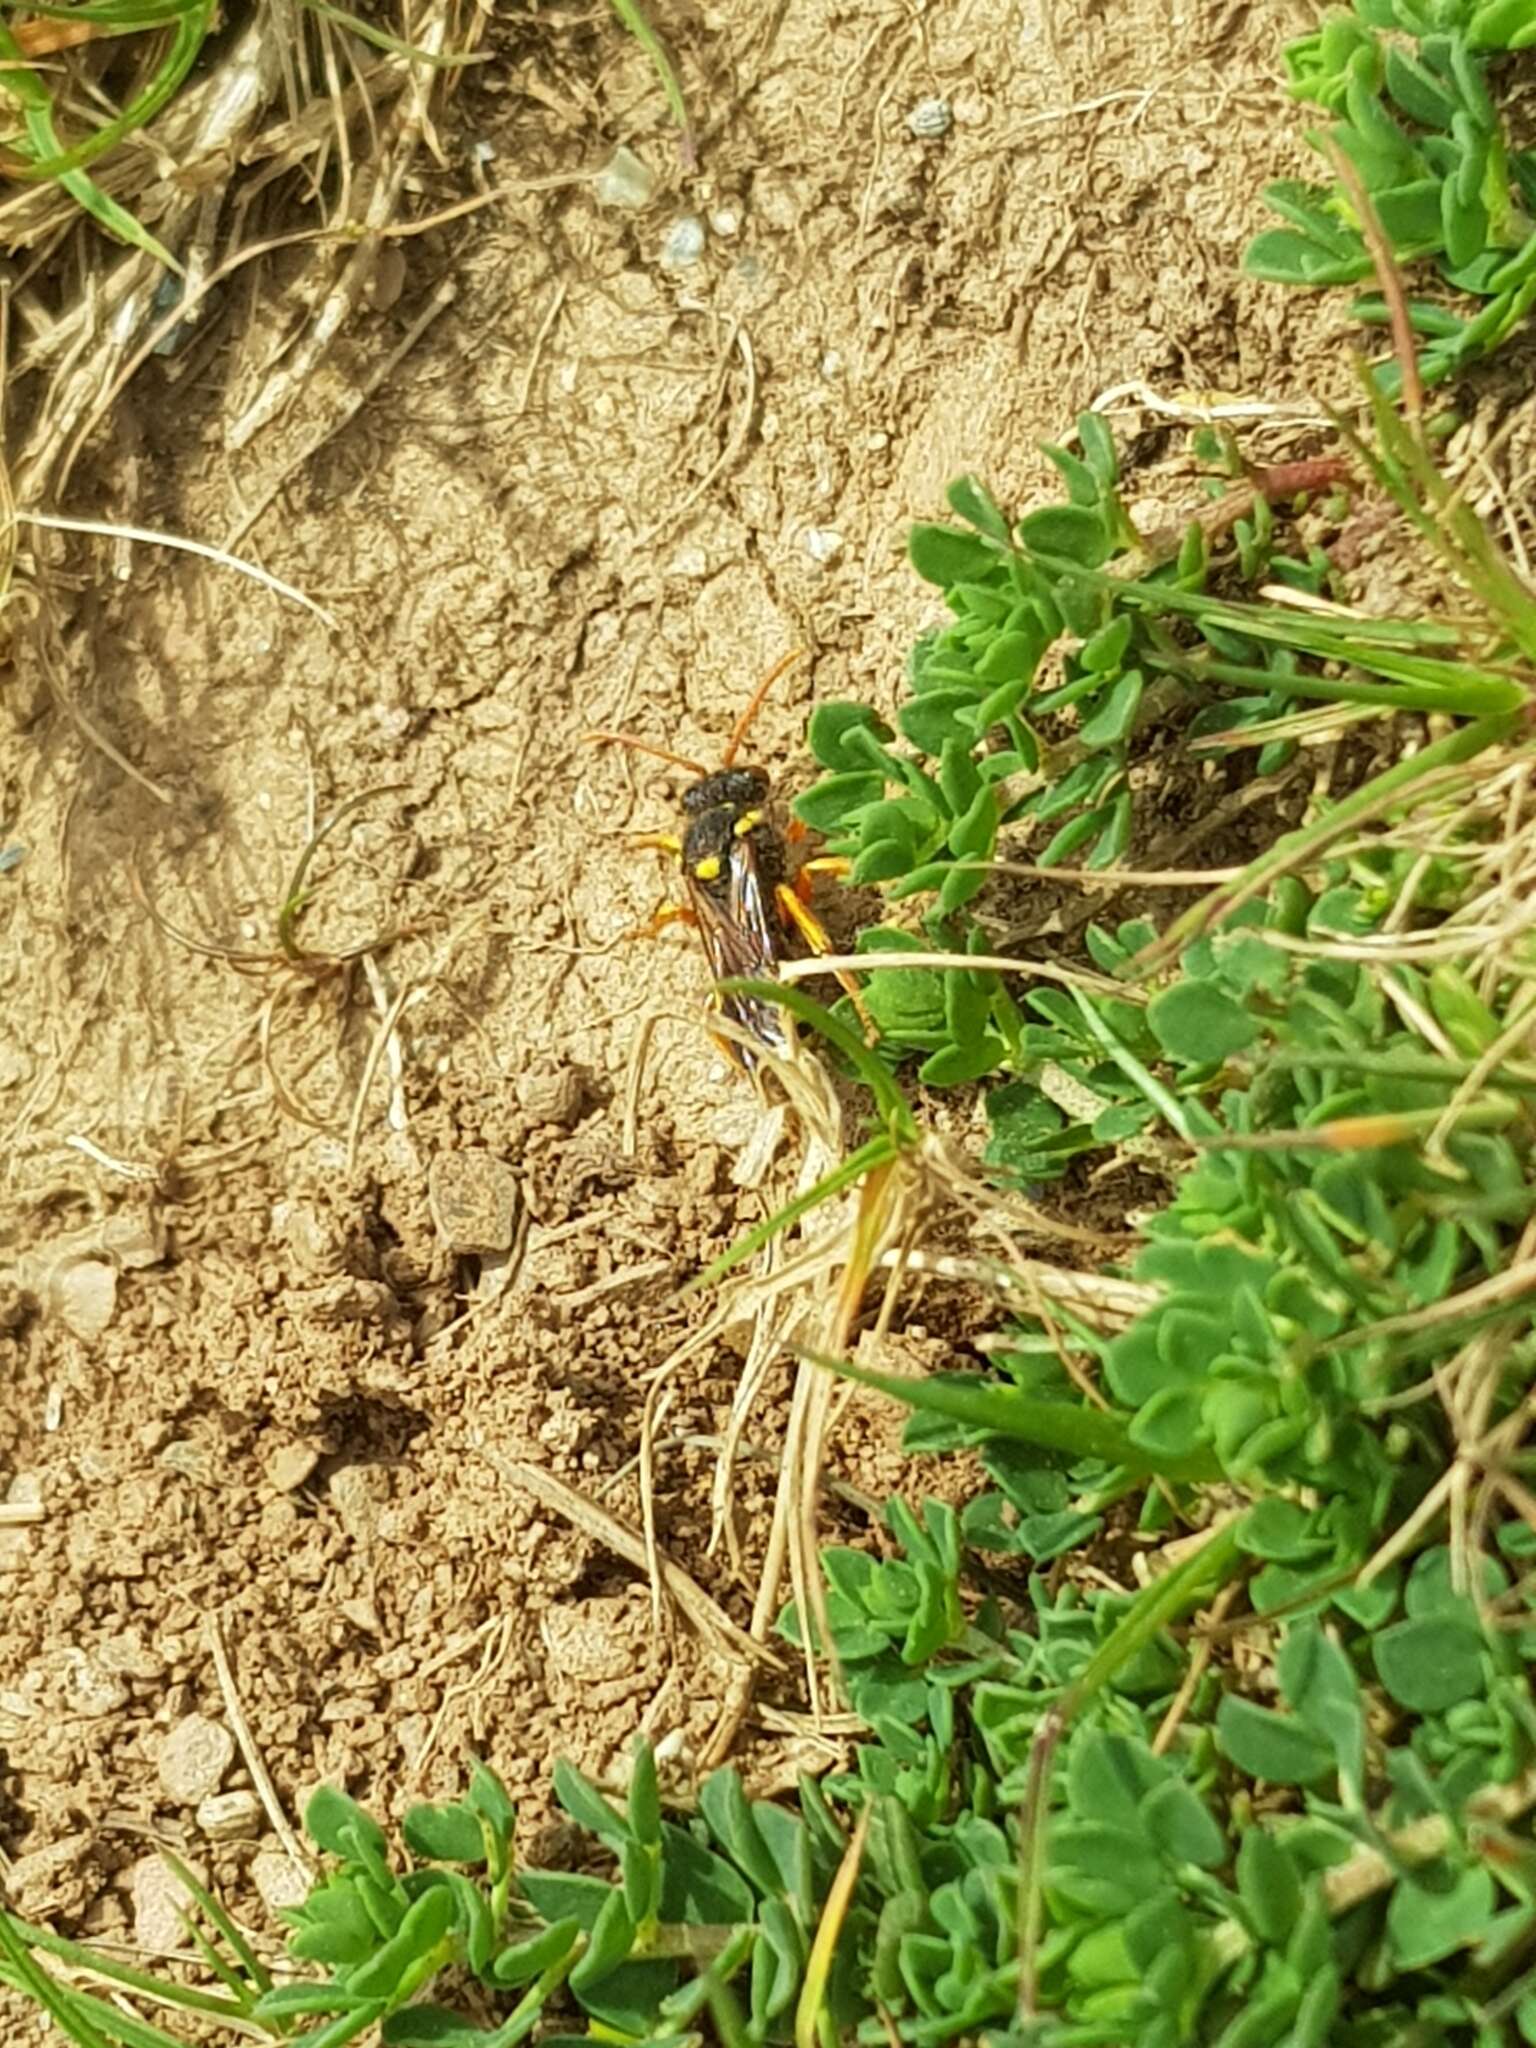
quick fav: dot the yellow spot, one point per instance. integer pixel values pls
(747, 822)
(708, 869)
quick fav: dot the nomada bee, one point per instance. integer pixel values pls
(746, 899)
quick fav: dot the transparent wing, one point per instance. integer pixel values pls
(741, 938)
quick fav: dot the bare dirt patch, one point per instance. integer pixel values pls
(598, 491)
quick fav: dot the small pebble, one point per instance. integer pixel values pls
(278, 1880)
(358, 1492)
(823, 544)
(85, 1294)
(725, 221)
(684, 244)
(193, 1759)
(230, 1817)
(89, 1693)
(130, 1656)
(930, 119)
(474, 1200)
(159, 1903)
(625, 180)
(553, 1094)
(49, 1880)
(290, 1465)
(363, 1616)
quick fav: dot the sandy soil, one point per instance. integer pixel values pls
(251, 1370)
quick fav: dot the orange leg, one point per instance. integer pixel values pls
(680, 913)
(666, 913)
(663, 915)
(826, 864)
(796, 912)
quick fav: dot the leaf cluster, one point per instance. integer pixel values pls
(1411, 90)
(1027, 714)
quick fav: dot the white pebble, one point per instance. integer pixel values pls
(684, 244)
(193, 1759)
(159, 1902)
(823, 544)
(930, 119)
(230, 1817)
(625, 180)
(278, 1880)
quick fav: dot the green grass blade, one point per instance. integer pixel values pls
(18, 79)
(1401, 466)
(1158, 1604)
(34, 1982)
(1383, 645)
(877, 1151)
(381, 39)
(1295, 848)
(114, 2025)
(116, 17)
(634, 20)
(1065, 1426)
(249, 1961)
(1448, 688)
(1181, 1116)
(56, 162)
(894, 1106)
(82, 1956)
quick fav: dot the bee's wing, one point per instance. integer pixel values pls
(741, 938)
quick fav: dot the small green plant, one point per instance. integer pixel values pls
(1411, 89)
(1063, 1837)
(1025, 714)
(733, 1895)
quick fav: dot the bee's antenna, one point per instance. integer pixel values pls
(739, 731)
(625, 739)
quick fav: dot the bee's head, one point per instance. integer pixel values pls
(730, 789)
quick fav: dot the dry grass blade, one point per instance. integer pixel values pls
(81, 353)
(151, 536)
(809, 2011)
(266, 1791)
(707, 1618)
(1388, 276)
(86, 343)
(378, 190)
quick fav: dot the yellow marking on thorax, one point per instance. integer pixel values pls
(708, 869)
(747, 822)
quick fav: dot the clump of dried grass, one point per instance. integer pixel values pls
(297, 110)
